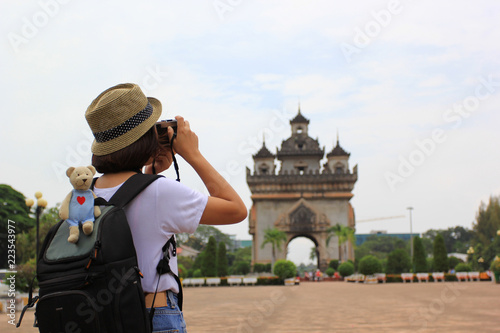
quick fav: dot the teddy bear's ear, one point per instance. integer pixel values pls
(70, 171)
(91, 168)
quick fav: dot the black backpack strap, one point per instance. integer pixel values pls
(128, 191)
(31, 302)
(93, 183)
(164, 268)
(131, 188)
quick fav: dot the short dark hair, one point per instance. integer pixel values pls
(130, 158)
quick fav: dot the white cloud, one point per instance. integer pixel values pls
(230, 78)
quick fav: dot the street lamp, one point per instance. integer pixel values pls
(40, 205)
(411, 233)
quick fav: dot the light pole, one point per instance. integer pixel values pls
(411, 234)
(470, 252)
(40, 205)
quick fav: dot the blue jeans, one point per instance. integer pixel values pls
(169, 319)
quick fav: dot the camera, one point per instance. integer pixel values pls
(162, 129)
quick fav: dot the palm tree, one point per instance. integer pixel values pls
(343, 233)
(274, 237)
(312, 254)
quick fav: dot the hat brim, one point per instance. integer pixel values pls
(125, 140)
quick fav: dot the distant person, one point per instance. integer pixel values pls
(124, 123)
(318, 274)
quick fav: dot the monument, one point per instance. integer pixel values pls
(301, 197)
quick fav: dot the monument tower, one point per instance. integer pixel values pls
(301, 197)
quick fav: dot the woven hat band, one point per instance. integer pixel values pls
(126, 126)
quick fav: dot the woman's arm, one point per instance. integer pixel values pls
(224, 205)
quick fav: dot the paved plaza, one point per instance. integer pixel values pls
(337, 307)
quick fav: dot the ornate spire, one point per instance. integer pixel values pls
(299, 118)
(338, 150)
(263, 152)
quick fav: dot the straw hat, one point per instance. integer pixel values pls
(119, 116)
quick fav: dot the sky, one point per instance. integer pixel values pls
(411, 87)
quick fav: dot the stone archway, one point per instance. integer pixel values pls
(301, 218)
(309, 237)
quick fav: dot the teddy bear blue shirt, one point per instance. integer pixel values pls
(81, 207)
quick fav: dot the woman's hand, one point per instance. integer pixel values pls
(186, 142)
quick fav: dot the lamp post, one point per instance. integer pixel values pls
(411, 234)
(40, 205)
(470, 257)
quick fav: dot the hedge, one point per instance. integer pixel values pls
(261, 281)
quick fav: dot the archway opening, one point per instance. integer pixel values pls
(303, 252)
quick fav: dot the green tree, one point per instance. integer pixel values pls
(330, 271)
(419, 257)
(275, 238)
(463, 267)
(198, 261)
(208, 266)
(457, 239)
(241, 267)
(222, 260)
(333, 264)
(453, 262)
(369, 265)
(259, 268)
(243, 254)
(487, 222)
(187, 262)
(199, 239)
(26, 241)
(241, 260)
(25, 274)
(344, 234)
(182, 270)
(398, 261)
(491, 252)
(346, 269)
(285, 269)
(380, 246)
(440, 256)
(12, 207)
(428, 244)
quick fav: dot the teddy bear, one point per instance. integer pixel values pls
(78, 206)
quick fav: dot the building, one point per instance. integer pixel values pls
(293, 192)
(187, 251)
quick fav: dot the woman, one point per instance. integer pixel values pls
(122, 120)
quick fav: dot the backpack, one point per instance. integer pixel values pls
(95, 285)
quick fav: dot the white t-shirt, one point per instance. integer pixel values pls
(164, 208)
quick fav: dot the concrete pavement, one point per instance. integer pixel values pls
(336, 307)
